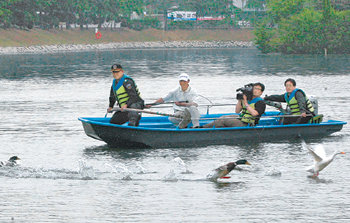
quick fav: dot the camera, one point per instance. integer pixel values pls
(247, 90)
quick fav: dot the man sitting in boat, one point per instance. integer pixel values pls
(250, 111)
(125, 92)
(185, 106)
(297, 102)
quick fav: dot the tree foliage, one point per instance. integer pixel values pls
(300, 28)
(279, 9)
(47, 14)
(256, 4)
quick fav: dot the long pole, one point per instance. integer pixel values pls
(145, 111)
(159, 105)
(270, 103)
(179, 116)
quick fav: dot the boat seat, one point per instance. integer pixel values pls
(268, 121)
(156, 125)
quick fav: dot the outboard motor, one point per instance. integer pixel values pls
(314, 103)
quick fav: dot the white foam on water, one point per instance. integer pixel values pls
(87, 172)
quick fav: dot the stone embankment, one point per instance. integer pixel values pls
(124, 45)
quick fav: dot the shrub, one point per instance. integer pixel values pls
(306, 32)
(145, 23)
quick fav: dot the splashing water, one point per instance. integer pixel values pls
(141, 169)
(86, 172)
(171, 176)
(273, 173)
(122, 170)
(180, 165)
(177, 167)
(213, 175)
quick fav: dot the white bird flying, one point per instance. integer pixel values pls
(321, 160)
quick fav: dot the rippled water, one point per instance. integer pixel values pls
(67, 177)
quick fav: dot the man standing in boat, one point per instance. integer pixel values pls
(184, 98)
(250, 111)
(125, 92)
(297, 101)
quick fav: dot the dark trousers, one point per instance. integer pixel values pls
(296, 120)
(133, 117)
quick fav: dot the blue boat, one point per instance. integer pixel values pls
(159, 132)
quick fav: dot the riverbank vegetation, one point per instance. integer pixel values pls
(304, 26)
(287, 26)
(133, 14)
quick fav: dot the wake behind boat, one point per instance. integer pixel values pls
(159, 132)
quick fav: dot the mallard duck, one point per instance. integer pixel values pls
(321, 160)
(222, 171)
(13, 161)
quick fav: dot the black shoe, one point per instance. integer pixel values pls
(197, 127)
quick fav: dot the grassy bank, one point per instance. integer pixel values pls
(15, 37)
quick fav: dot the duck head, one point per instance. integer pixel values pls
(232, 165)
(242, 162)
(14, 159)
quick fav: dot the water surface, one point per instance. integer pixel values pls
(67, 177)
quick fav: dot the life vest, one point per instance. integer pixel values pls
(293, 103)
(245, 114)
(119, 90)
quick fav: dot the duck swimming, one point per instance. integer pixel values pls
(321, 160)
(13, 161)
(222, 171)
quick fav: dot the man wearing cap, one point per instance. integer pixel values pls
(184, 103)
(125, 92)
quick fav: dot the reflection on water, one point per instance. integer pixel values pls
(66, 175)
(223, 186)
(317, 180)
(154, 63)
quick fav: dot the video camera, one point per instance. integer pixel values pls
(247, 90)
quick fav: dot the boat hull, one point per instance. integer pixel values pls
(152, 135)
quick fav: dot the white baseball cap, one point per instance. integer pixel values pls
(184, 77)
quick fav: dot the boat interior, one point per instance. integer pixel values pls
(271, 118)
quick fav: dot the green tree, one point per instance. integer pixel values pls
(65, 12)
(23, 13)
(297, 34)
(82, 10)
(307, 31)
(264, 38)
(281, 9)
(46, 13)
(256, 4)
(6, 13)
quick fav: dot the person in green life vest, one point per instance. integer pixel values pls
(297, 102)
(125, 92)
(249, 111)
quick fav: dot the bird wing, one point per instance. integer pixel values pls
(313, 153)
(221, 168)
(319, 150)
(303, 143)
(221, 171)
